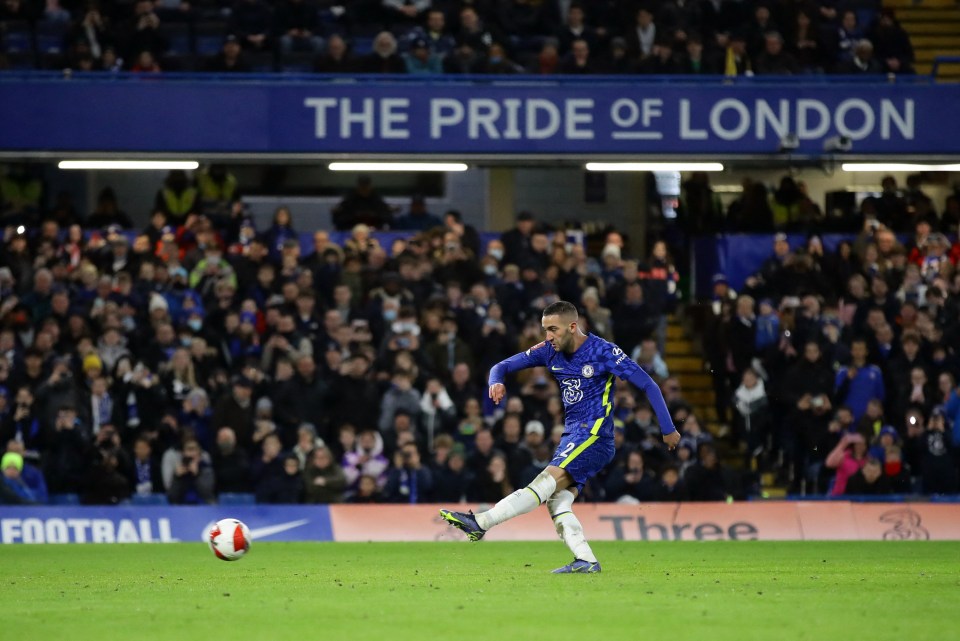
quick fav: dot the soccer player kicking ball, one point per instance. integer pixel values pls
(585, 366)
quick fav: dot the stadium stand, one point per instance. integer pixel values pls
(178, 362)
(549, 37)
(120, 348)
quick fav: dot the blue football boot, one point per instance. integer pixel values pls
(579, 567)
(465, 521)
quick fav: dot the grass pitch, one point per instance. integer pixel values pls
(489, 591)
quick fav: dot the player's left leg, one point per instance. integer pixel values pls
(560, 506)
(520, 502)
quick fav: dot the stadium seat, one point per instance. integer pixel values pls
(178, 37)
(18, 38)
(64, 499)
(262, 62)
(149, 499)
(362, 46)
(208, 38)
(237, 498)
(50, 37)
(297, 63)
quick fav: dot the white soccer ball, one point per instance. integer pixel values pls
(229, 539)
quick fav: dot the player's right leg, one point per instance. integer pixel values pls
(570, 531)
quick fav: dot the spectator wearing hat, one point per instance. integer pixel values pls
(31, 475)
(420, 60)
(13, 488)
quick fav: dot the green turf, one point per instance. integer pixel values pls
(484, 592)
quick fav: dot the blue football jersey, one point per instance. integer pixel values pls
(587, 379)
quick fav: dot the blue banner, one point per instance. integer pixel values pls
(133, 524)
(522, 117)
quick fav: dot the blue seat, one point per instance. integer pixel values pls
(208, 38)
(64, 499)
(18, 38)
(149, 499)
(178, 39)
(362, 46)
(50, 37)
(237, 498)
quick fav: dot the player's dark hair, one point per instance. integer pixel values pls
(561, 308)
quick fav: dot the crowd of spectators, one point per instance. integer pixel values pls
(455, 37)
(788, 207)
(198, 355)
(838, 367)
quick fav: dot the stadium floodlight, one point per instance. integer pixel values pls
(894, 166)
(654, 166)
(187, 165)
(398, 166)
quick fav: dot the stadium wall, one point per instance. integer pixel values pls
(768, 521)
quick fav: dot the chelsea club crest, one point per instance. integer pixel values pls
(587, 371)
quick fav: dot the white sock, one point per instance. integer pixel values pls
(568, 525)
(520, 502)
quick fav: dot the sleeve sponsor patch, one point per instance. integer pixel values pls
(537, 346)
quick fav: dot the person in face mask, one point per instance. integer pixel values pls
(897, 471)
(496, 250)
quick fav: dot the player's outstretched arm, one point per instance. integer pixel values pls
(624, 367)
(533, 357)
